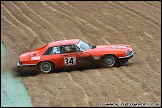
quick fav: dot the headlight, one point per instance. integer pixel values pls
(128, 52)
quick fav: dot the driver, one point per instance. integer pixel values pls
(68, 49)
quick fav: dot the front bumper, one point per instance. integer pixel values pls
(128, 56)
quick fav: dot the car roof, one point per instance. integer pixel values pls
(63, 42)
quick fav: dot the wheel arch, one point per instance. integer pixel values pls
(108, 55)
(46, 61)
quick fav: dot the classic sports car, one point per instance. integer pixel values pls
(75, 53)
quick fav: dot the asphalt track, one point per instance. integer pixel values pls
(13, 92)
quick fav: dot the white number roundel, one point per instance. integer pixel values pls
(70, 61)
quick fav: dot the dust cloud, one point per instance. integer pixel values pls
(9, 64)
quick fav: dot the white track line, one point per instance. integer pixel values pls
(107, 26)
(61, 7)
(67, 4)
(105, 40)
(54, 9)
(9, 21)
(148, 34)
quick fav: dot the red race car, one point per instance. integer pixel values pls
(74, 53)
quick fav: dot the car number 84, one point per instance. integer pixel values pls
(70, 61)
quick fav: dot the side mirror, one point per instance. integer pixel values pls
(81, 51)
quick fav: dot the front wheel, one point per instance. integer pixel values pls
(46, 67)
(109, 61)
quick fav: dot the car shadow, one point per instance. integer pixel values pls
(126, 64)
(77, 69)
(28, 71)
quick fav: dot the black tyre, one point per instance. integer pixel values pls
(109, 61)
(46, 67)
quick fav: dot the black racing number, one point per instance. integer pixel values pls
(70, 61)
(66, 61)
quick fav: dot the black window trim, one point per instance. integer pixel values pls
(60, 49)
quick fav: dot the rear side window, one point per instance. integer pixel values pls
(52, 50)
(55, 50)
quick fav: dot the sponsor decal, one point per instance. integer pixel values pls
(119, 47)
(35, 58)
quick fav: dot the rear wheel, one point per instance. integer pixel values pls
(109, 61)
(46, 67)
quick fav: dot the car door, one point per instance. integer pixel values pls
(84, 59)
(69, 56)
(74, 57)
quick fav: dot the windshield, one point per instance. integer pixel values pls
(84, 46)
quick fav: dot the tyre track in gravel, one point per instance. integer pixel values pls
(147, 62)
(69, 13)
(44, 24)
(26, 20)
(148, 45)
(7, 35)
(15, 21)
(102, 82)
(106, 85)
(115, 76)
(46, 10)
(65, 21)
(83, 19)
(86, 97)
(13, 16)
(78, 23)
(139, 14)
(156, 7)
(148, 88)
(57, 91)
(20, 7)
(72, 22)
(7, 20)
(153, 4)
(85, 83)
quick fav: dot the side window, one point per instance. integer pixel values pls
(69, 49)
(77, 48)
(48, 51)
(55, 50)
(52, 50)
